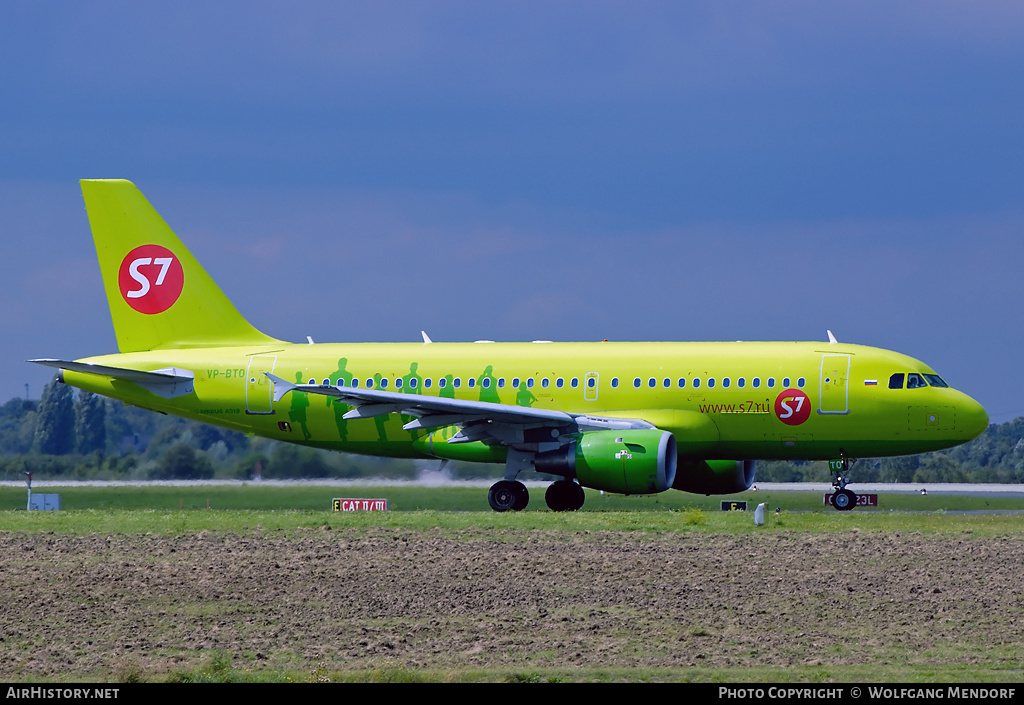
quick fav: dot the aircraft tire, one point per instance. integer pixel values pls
(564, 496)
(844, 500)
(508, 496)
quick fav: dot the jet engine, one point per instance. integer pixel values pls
(637, 461)
(714, 476)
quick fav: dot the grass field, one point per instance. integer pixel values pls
(158, 508)
(930, 585)
(412, 498)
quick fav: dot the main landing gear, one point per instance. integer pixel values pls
(512, 496)
(508, 496)
(842, 499)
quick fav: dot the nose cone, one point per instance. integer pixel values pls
(971, 418)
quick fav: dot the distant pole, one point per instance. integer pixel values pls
(26, 391)
(28, 479)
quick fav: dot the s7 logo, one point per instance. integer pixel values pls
(150, 279)
(792, 407)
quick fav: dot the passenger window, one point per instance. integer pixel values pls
(636, 382)
(355, 381)
(785, 382)
(741, 382)
(711, 382)
(369, 382)
(756, 382)
(771, 382)
(486, 384)
(666, 383)
(529, 383)
(442, 383)
(725, 382)
(559, 382)
(471, 382)
(574, 383)
(341, 382)
(915, 381)
(591, 382)
(651, 382)
(544, 383)
(412, 383)
(615, 382)
(896, 381)
(457, 382)
(383, 382)
(801, 382)
(515, 383)
(682, 382)
(696, 382)
(426, 382)
(398, 383)
(501, 383)
(312, 381)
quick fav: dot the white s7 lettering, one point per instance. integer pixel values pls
(133, 270)
(165, 263)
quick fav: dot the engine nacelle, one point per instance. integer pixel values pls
(714, 476)
(639, 461)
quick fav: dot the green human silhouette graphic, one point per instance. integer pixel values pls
(297, 412)
(447, 391)
(412, 383)
(341, 408)
(382, 420)
(524, 397)
(488, 386)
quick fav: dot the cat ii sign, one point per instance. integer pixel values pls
(359, 505)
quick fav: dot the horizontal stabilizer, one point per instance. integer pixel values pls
(167, 382)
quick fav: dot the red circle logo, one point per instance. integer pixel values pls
(150, 279)
(792, 407)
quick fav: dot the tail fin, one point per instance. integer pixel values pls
(159, 294)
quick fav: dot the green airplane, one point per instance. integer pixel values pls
(630, 418)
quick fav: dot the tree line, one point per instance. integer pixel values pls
(86, 436)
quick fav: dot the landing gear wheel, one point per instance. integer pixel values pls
(844, 500)
(508, 496)
(564, 496)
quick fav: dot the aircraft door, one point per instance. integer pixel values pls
(834, 390)
(591, 381)
(258, 388)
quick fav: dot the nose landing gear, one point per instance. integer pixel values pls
(842, 499)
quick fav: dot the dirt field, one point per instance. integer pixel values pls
(107, 608)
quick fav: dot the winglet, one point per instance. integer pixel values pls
(426, 338)
(281, 386)
(831, 338)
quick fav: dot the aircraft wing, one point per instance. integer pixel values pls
(167, 382)
(479, 420)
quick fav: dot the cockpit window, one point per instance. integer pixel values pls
(935, 381)
(896, 381)
(915, 380)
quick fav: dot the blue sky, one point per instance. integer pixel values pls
(519, 171)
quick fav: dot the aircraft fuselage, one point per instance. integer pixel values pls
(733, 400)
